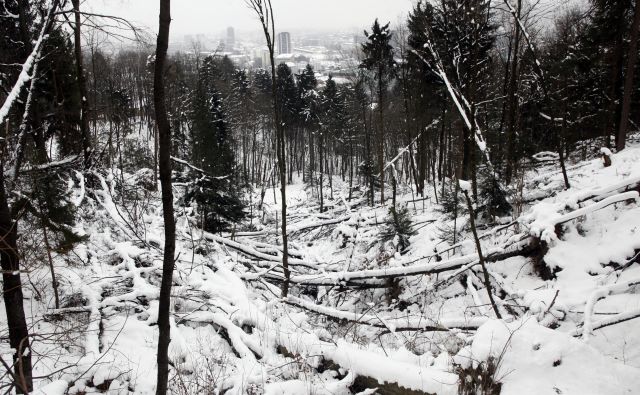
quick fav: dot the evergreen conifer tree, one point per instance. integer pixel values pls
(307, 106)
(379, 60)
(216, 192)
(287, 96)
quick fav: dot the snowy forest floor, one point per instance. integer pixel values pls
(360, 316)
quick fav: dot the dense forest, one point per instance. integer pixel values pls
(457, 108)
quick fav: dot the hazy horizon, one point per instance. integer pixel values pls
(214, 16)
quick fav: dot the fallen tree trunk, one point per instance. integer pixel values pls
(601, 193)
(521, 247)
(294, 229)
(524, 246)
(252, 252)
(392, 324)
(372, 370)
(241, 343)
(335, 221)
(360, 383)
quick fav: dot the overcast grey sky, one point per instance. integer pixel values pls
(213, 16)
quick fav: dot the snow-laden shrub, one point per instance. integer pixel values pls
(493, 198)
(344, 234)
(452, 202)
(144, 178)
(398, 228)
(136, 155)
(218, 203)
(479, 379)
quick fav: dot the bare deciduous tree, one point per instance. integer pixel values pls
(164, 163)
(264, 11)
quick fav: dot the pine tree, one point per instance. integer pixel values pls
(287, 97)
(261, 86)
(398, 228)
(632, 58)
(355, 129)
(241, 113)
(379, 60)
(428, 96)
(468, 29)
(59, 94)
(607, 36)
(217, 193)
(55, 114)
(307, 99)
(307, 84)
(332, 122)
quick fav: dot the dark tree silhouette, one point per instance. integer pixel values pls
(164, 163)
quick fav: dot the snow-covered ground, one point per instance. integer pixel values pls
(359, 313)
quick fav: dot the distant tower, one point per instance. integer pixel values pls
(284, 43)
(231, 38)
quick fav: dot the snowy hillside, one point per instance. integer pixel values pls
(360, 316)
(272, 197)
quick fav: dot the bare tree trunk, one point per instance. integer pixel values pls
(628, 82)
(155, 157)
(264, 11)
(322, 154)
(312, 158)
(19, 341)
(615, 77)
(351, 155)
(84, 115)
(381, 137)
(331, 164)
(164, 163)
(487, 282)
(512, 101)
(54, 281)
(12, 294)
(443, 143)
(368, 155)
(281, 154)
(561, 140)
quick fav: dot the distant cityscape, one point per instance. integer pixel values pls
(334, 54)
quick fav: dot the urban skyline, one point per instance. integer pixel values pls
(334, 53)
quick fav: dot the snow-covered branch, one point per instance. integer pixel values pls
(405, 149)
(24, 76)
(393, 324)
(601, 293)
(250, 251)
(197, 169)
(543, 224)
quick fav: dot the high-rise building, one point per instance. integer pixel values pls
(266, 59)
(231, 38)
(284, 43)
